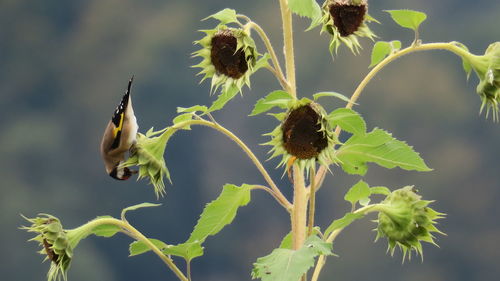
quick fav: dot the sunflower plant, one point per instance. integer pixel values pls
(305, 139)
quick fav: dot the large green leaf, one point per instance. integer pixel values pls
(290, 265)
(268, 102)
(349, 120)
(188, 251)
(408, 18)
(305, 8)
(379, 147)
(382, 49)
(220, 212)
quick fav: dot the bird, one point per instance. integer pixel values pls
(119, 137)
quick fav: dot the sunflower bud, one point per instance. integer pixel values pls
(345, 21)
(487, 68)
(304, 135)
(229, 56)
(54, 242)
(405, 220)
(147, 154)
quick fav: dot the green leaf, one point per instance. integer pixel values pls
(286, 243)
(290, 265)
(357, 192)
(306, 8)
(220, 212)
(192, 109)
(188, 251)
(349, 120)
(342, 223)
(139, 247)
(380, 190)
(182, 118)
(227, 94)
(138, 206)
(379, 147)
(268, 102)
(262, 62)
(331, 94)
(408, 18)
(225, 16)
(382, 49)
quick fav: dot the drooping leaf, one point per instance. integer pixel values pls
(267, 103)
(105, 230)
(182, 118)
(382, 49)
(261, 62)
(348, 120)
(408, 18)
(138, 247)
(381, 148)
(305, 8)
(225, 16)
(290, 265)
(188, 251)
(138, 206)
(357, 192)
(192, 109)
(228, 93)
(331, 94)
(220, 212)
(342, 223)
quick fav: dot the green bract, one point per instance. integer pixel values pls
(345, 21)
(487, 68)
(405, 220)
(55, 244)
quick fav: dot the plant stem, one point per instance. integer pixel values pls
(134, 233)
(299, 213)
(452, 47)
(322, 258)
(286, 17)
(312, 201)
(274, 188)
(277, 67)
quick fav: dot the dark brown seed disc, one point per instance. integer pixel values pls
(347, 18)
(50, 253)
(225, 58)
(302, 137)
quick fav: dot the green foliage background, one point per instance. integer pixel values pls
(64, 66)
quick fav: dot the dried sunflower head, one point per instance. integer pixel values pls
(304, 136)
(345, 21)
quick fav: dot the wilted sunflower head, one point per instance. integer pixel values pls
(55, 244)
(229, 57)
(304, 135)
(487, 68)
(345, 21)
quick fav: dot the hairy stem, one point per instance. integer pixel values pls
(274, 188)
(299, 213)
(286, 17)
(312, 201)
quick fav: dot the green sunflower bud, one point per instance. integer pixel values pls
(55, 244)
(345, 21)
(304, 136)
(487, 68)
(147, 154)
(405, 220)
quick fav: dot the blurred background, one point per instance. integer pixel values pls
(64, 66)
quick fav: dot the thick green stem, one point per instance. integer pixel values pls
(299, 213)
(312, 201)
(286, 17)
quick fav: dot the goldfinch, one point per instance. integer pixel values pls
(119, 137)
